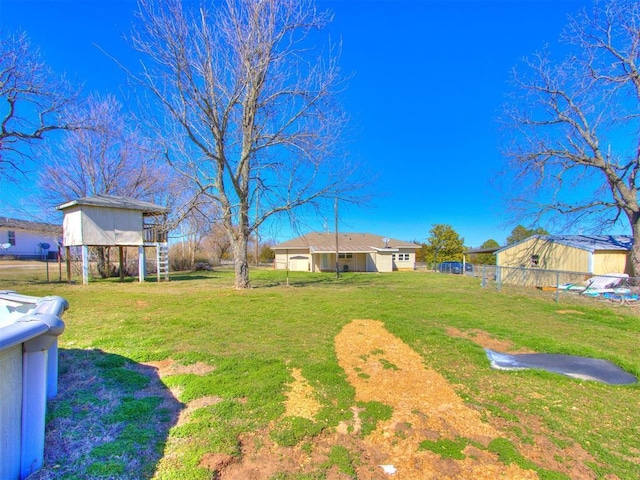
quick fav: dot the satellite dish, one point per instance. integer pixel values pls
(5, 246)
(386, 242)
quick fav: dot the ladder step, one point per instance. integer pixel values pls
(162, 260)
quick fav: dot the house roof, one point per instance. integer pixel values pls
(17, 224)
(590, 243)
(347, 242)
(114, 201)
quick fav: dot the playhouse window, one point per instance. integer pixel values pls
(11, 237)
(535, 260)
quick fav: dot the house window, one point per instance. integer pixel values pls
(403, 257)
(11, 236)
(345, 255)
(535, 260)
(393, 257)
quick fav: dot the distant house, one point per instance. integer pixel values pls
(593, 254)
(27, 239)
(357, 252)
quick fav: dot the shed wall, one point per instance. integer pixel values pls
(611, 262)
(551, 256)
(99, 226)
(72, 227)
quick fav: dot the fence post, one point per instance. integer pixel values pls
(498, 277)
(484, 276)
(557, 287)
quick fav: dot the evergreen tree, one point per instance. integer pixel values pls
(520, 233)
(486, 258)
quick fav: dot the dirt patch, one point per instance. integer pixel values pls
(171, 367)
(141, 304)
(482, 338)
(216, 461)
(425, 406)
(300, 398)
(423, 402)
(191, 407)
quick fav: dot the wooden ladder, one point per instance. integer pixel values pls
(162, 261)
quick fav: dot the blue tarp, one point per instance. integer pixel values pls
(584, 368)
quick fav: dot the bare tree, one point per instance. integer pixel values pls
(575, 149)
(250, 103)
(33, 102)
(195, 225)
(109, 156)
(217, 244)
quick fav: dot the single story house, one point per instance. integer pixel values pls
(357, 252)
(591, 254)
(28, 239)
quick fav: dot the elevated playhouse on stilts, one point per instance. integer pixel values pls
(114, 221)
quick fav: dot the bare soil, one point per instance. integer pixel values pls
(381, 368)
(425, 407)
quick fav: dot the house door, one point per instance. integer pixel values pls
(325, 261)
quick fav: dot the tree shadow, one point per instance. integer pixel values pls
(111, 418)
(306, 279)
(183, 277)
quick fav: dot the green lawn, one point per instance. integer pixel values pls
(119, 421)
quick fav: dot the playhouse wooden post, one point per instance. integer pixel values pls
(85, 265)
(141, 264)
(67, 251)
(121, 262)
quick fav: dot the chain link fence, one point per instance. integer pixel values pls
(102, 263)
(560, 284)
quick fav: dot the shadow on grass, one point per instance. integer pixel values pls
(110, 419)
(184, 277)
(313, 279)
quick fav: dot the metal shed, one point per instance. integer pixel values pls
(115, 221)
(595, 254)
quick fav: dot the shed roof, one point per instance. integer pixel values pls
(590, 243)
(115, 201)
(473, 251)
(347, 242)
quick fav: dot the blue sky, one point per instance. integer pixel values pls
(429, 78)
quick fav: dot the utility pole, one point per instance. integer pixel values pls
(335, 208)
(256, 229)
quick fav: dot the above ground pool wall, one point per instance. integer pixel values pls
(29, 330)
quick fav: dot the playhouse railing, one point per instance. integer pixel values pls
(155, 234)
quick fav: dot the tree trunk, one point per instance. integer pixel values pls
(103, 264)
(240, 262)
(635, 249)
(192, 254)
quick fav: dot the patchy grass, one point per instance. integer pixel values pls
(446, 448)
(341, 457)
(117, 416)
(371, 414)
